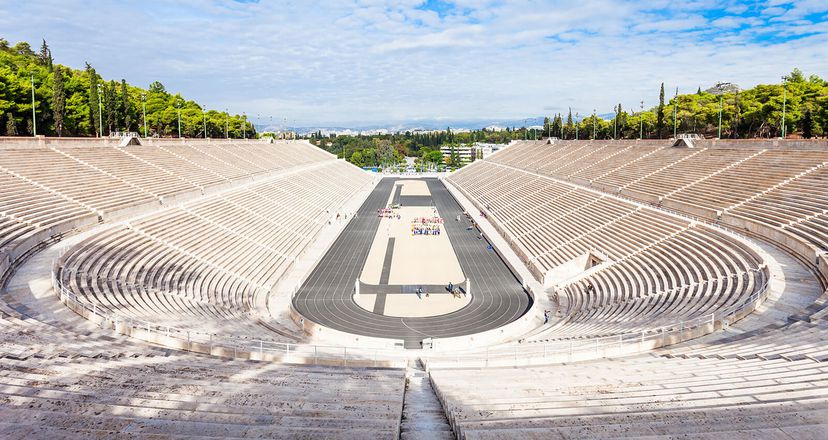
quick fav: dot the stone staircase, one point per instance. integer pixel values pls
(423, 416)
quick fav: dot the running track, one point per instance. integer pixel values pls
(326, 296)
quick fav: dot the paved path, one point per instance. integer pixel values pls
(326, 297)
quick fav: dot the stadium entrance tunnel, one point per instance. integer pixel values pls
(410, 266)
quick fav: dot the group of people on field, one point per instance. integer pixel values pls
(426, 226)
(388, 213)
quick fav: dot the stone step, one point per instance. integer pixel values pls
(427, 435)
(423, 415)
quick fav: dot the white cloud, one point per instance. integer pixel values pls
(333, 61)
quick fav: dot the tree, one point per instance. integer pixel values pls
(807, 124)
(94, 106)
(357, 159)
(157, 87)
(58, 100)
(660, 114)
(110, 107)
(737, 115)
(125, 106)
(11, 126)
(46, 55)
(23, 48)
(557, 126)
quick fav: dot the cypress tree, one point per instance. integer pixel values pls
(569, 123)
(46, 55)
(58, 100)
(110, 107)
(660, 114)
(94, 109)
(556, 126)
(126, 107)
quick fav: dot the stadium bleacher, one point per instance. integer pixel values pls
(640, 397)
(194, 234)
(662, 269)
(201, 266)
(720, 181)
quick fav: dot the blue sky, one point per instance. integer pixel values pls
(362, 61)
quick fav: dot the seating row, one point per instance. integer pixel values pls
(204, 265)
(187, 396)
(654, 269)
(640, 397)
(777, 188)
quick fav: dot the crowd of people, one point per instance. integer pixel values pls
(426, 226)
(388, 213)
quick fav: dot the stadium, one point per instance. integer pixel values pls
(182, 288)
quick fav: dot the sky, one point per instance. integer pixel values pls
(341, 62)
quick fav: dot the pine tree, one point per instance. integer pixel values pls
(737, 116)
(569, 125)
(11, 127)
(660, 114)
(94, 108)
(58, 100)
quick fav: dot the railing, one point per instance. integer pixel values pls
(123, 134)
(526, 354)
(506, 355)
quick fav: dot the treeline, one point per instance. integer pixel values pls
(390, 149)
(752, 113)
(71, 102)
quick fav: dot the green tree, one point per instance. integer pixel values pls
(660, 114)
(46, 55)
(110, 108)
(557, 126)
(126, 108)
(807, 124)
(94, 101)
(58, 100)
(23, 48)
